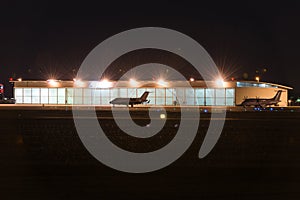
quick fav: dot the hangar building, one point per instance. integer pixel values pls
(189, 93)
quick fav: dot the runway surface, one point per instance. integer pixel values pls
(256, 157)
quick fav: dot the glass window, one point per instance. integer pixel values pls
(44, 95)
(114, 93)
(52, 92)
(210, 101)
(105, 100)
(61, 96)
(52, 100)
(200, 101)
(87, 92)
(78, 100)
(27, 95)
(19, 92)
(220, 97)
(19, 95)
(96, 100)
(169, 92)
(160, 101)
(140, 91)
(35, 95)
(77, 92)
(230, 93)
(87, 100)
(220, 101)
(210, 97)
(160, 92)
(123, 92)
(132, 92)
(35, 100)
(199, 92)
(189, 93)
(105, 92)
(70, 95)
(27, 99)
(210, 92)
(169, 101)
(27, 92)
(230, 101)
(35, 92)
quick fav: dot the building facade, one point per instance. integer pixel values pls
(195, 93)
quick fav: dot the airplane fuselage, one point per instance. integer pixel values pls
(130, 101)
(259, 102)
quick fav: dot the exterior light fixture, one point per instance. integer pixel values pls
(52, 82)
(220, 82)
(133, 82)
(257, 78)
(161, 82)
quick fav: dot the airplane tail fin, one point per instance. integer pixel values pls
(144, 96)
(277, 96)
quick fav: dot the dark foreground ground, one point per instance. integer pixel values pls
(257, 157)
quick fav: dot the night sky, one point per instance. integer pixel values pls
(39, 38)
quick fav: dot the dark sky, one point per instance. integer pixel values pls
(42, 38)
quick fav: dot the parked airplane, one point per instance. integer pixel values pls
(131, 101)
(262, 102)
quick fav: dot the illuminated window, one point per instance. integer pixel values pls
(179, 94)
(160, 96)
(70, 95)
(52, 95)
(44, 95)
(190, 96)
(35, 95)
(210, 97)
(19, 95)
(230, 96)
(132, 92)
(61, 98)
(220, 97)
(123, 92)
(96, 97)
(27, 95)
(114, 93)
(200, 97)
(170, 97)
(87, 96)
(105, 96)
(78, 96)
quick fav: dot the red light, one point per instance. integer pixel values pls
(11, 79)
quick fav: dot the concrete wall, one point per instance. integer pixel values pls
(255, 92)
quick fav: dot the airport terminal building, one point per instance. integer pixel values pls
(187, 93)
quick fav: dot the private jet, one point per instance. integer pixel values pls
(131, 101)
(262, 102)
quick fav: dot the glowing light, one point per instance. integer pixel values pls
(220, 82)
(133, 82)
(78, 83)
(162, 116)
(19, 79)
(105, 84)
(192, 79)
(53, 82)
(161, 82)
(257, 78)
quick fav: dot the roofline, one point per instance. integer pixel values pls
(273, 84)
